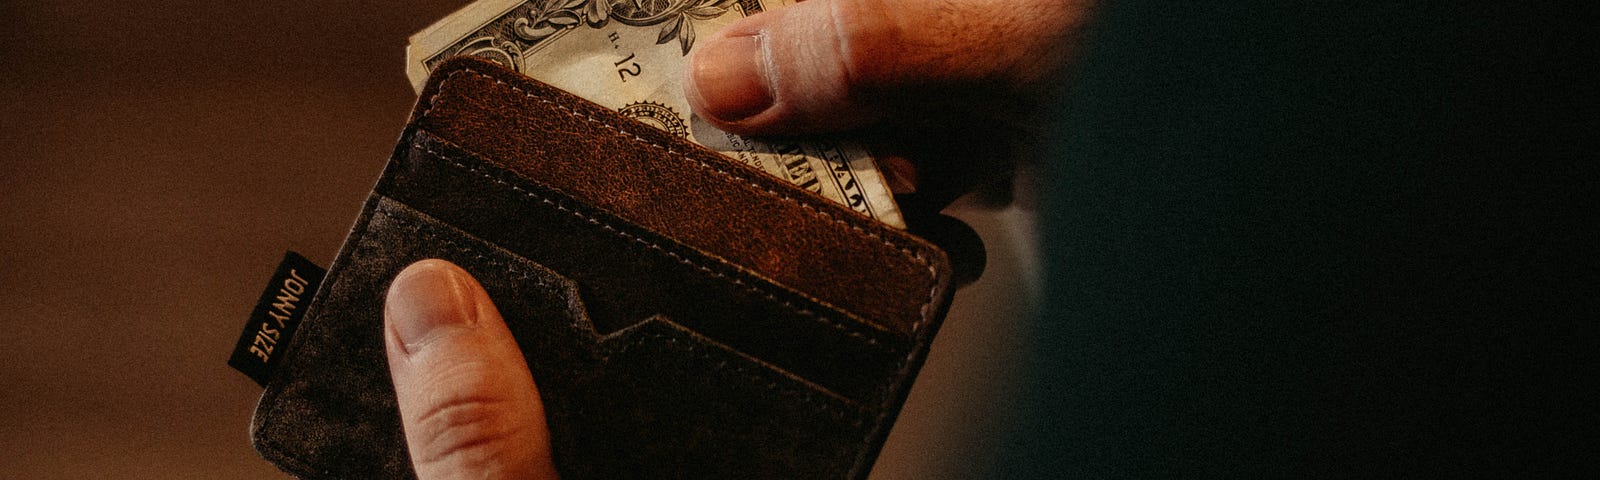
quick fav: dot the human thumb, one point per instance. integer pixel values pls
(467, 401)
(830, 65)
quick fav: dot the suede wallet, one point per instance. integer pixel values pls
(684, 315)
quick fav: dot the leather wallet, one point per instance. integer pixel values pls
(685, 316)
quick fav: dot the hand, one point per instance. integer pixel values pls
(930, 80)
(467, 401)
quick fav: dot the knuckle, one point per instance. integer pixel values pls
(893, 43)
(861, 31)
(462, 429)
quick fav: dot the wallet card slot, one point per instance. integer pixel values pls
(671, 392)
(688, 193)
(627, 274)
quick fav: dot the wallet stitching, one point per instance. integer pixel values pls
(925, 311)
(699, 350)
(747, 287)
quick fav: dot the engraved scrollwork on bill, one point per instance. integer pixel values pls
(845, 177)
(505, 37)
(656, 115)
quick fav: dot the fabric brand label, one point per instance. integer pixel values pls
(276, 317)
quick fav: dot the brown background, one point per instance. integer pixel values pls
(156, 158)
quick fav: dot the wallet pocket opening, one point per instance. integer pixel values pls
(627, 273)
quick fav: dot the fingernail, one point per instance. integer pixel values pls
(427, 297)
(728, 78)
(899, 173)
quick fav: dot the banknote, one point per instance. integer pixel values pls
(630, 55)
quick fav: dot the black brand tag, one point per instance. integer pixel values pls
(276, 317)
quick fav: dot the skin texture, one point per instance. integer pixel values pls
(463, 388)
(836, 65)
(944, 93)
(931, 85)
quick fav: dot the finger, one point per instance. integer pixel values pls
(828, 65)
(467, 401)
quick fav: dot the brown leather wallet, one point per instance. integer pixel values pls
(684, 315)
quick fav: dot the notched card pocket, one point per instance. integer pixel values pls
(653, 396)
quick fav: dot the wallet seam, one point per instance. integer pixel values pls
(925, 313)
(848, 330)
